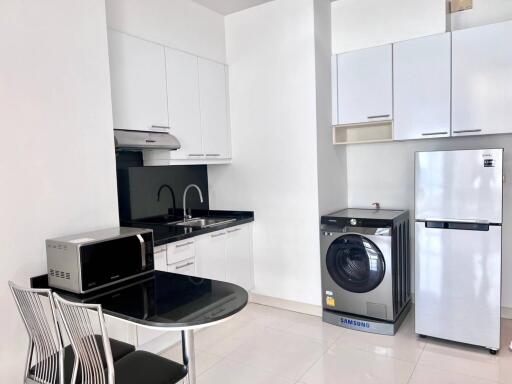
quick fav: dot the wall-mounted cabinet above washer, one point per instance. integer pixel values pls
(446, 85)
(365, 85)
(421, 87)
(160, 88)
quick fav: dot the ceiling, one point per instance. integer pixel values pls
(225, 7)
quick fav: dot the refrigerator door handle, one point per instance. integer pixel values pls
(438, 220)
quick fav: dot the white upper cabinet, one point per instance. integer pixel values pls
(365, 85)
(334, 89)
(482, 80)
(213, 97)
(422, 95)
(138, 80)
(183, 101)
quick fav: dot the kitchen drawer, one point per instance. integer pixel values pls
(180, 251)
(185, 267)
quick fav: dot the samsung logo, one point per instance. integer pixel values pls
(355, 323)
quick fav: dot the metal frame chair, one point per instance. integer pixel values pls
(76, 318)
(45, 356)
(135, 368)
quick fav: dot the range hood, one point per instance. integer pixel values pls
(138, 140)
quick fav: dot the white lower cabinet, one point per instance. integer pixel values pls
(211, 256)
(161, 258)
(239, 256)
(227, 255)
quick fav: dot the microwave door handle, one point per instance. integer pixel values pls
(142, 251)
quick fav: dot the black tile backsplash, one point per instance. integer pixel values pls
(138, 188)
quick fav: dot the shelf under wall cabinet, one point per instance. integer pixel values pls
(363, 133)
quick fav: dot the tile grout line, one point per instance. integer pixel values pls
(417, 362)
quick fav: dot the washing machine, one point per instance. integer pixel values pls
(365, 268)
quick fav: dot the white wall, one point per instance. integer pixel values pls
(179, 24)
(384, 172)
(359, 24)
(331, 160)
(57, 162)
(483, 12)
(271, 58)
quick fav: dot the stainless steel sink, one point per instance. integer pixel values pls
(204, 222)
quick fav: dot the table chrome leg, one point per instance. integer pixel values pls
(189, 355)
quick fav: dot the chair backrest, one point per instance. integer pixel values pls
(78, 319)
(45, 357)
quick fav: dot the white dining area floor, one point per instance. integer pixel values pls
(268, 345)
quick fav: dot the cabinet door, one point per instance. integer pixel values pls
(211, 256)
(365, 89)
(183, 102)
(137, 75)
(214, 110)
(482, 80)
(239, 256)
(180, 251)
(161, 258)
(422, 83)
(334, 89)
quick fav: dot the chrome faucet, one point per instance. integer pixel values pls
(185, 215)
(172, 195)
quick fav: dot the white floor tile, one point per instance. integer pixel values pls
(429, 375)
(405, 345)
(341, 365)
(204, 360)
(269, 345)
(231, 372)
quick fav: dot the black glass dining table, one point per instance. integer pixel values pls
(166, 301)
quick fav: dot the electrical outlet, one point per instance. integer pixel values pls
(461, 5)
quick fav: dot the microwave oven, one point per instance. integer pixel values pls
(90, 261)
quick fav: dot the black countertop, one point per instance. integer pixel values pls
(163, 299)
(164, 234)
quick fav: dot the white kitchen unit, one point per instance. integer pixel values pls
(482, 80)
(211, 256)
(213, 96)
(239, 256)
(183, 103)
(334, 89)
(227, 255)
(138, 81)
(181, 257)
(365, 85)
(160, 261)
(422, 87)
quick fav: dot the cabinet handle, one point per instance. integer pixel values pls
(195, 155)
(377, 117)
(161, 127)
(218, 235)
(213, 154)
(235, 230)
(184, 245)
(434, 133)
(185, 265)
(468, 131)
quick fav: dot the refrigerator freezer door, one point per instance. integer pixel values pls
(458, 284)
(459, 185)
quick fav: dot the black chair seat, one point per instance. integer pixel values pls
(119, 350)
(142, 367)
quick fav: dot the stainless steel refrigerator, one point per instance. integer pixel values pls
(458, 217)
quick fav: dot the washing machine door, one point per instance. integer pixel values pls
(355, 263)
